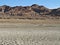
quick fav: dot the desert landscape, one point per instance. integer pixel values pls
(29, 25)
(29, 33)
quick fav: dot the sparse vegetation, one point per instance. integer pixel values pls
(30, 38)
(29, 34)
(31, 21)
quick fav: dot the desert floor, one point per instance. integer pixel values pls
(29, 34)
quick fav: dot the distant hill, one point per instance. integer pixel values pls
(28, 12)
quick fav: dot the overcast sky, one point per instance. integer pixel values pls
(46, 3)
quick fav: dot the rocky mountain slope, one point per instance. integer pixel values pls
(28, 12)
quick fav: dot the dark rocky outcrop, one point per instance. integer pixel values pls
(28, 12)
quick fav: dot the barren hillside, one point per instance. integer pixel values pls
(28, 12)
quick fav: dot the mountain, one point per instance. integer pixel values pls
(28, 12)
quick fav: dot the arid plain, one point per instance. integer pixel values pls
(29, 32)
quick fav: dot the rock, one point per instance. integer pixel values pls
(34, 11)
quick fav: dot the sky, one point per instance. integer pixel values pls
(47, 3)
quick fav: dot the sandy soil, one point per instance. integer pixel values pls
(32, 21)
(29, 34)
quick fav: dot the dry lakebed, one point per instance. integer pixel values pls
(29, 34)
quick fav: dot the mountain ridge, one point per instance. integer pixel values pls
(28, 12)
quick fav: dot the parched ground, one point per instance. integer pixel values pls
(29, 34)
(31, 21)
